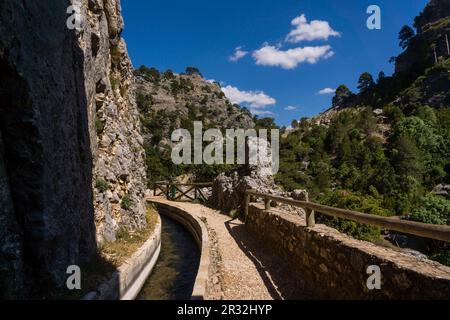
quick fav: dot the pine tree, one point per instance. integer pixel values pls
(365, 82)
(342, 96)
(405, 36)
(381, 76)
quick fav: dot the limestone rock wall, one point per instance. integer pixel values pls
(71, 158)
(46, 175)
(117, 145)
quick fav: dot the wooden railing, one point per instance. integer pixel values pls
(430, 231)
(175, 192)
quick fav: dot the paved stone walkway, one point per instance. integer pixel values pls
(246, 270)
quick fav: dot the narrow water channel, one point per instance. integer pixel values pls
(174, 274)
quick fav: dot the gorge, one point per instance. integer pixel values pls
(84, 136)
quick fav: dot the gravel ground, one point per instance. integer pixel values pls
(243, 269)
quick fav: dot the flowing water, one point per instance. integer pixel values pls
(174, 274)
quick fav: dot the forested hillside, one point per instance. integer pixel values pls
(384, 150)
(168, 101)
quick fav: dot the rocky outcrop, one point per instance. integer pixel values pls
(442, 189)
(117, 144)
(432, 25)
(431, 89)
(177, 100)
(228, 191)
(434, 11)
(169, 101)
(68, 123)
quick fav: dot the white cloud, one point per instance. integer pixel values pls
(326, 91)
(254, 99)
(290, 59)
(315, 30)
(258, 112)
(238, 54)
(290, 108)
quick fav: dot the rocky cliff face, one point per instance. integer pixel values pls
(434, 11)
(184, 98)
(70, 143)
(432, 25)
(119, 166)
(169, 101)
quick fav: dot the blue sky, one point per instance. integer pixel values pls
(205, 33)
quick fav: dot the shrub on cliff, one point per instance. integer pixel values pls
(434, 210)
(193, 71)
(126, 203)
(151, 74)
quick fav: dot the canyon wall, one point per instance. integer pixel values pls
(116, 141)
(71, 159)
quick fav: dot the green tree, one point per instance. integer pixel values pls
(434, 210)
(342, 96)
(265, 123)
(151, 74)
(405, 36)
(365, 82)
(357, 202)
(168, 74)
(407, 158)
(381, 76)
(193, 71)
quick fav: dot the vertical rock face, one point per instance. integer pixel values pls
(117, 144)
(432, 24)
(71, 151)
(46, 163)
(434, 11)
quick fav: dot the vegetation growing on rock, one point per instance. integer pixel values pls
(169, 101)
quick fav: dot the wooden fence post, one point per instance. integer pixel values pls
(310, 219)
(246, 204)
(266, 204)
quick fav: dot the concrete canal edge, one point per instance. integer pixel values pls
(198, 230)
(128, 280)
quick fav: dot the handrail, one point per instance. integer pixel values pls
(170, 190)
(431, 231)
(198, 184)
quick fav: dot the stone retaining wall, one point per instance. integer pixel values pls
(128, 280)
(330, 265)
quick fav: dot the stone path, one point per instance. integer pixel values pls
(246, 270)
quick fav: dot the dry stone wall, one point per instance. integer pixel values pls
(331, 265)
